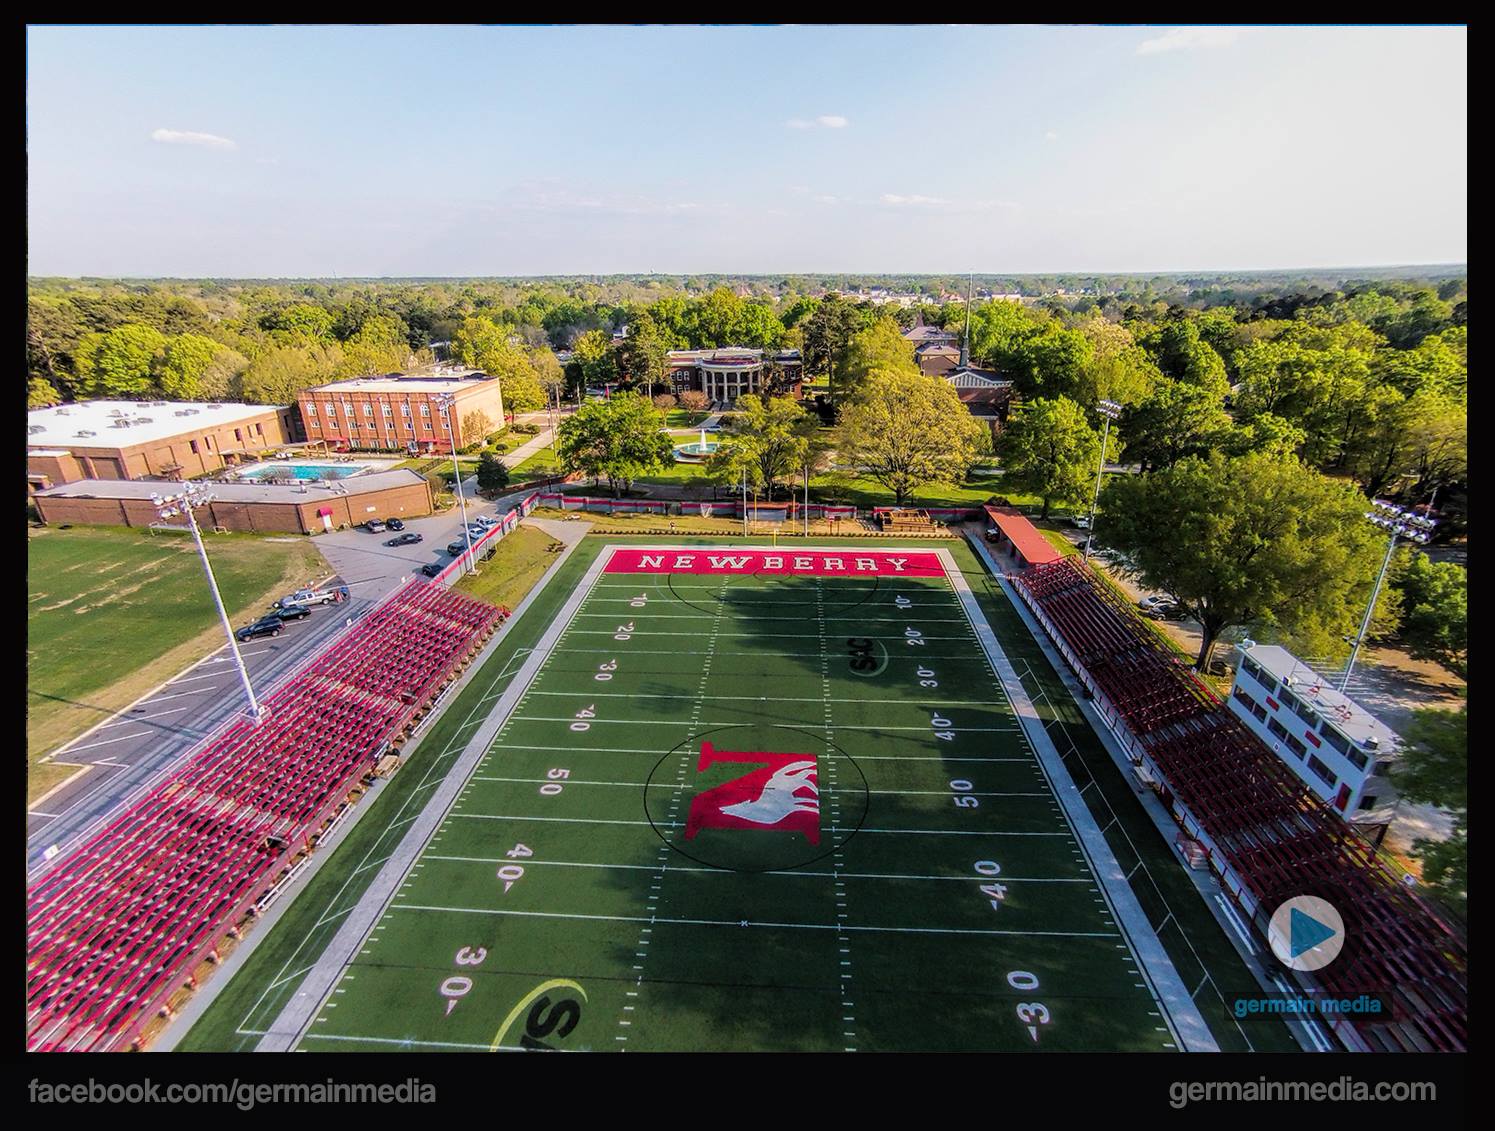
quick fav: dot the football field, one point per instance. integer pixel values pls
(754, 799)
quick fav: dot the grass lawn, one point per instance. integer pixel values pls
(541, 465)
(845, 488)
(111, 612)
(682, 418)
(519, 560)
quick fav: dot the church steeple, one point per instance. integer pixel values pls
(965, 345)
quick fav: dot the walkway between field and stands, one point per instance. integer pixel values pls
(1204, 881)
(1184, 1018)
(297, 1015)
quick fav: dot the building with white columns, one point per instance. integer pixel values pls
(726, 374)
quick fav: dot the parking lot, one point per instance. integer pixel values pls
(134, 746)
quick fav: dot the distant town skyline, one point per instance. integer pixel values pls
(430, 152)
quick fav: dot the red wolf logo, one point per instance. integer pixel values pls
(781, 794)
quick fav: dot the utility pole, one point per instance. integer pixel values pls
(1402, 524)
(184, 502)
(807, 499)
(446, 400)
(1110, 410)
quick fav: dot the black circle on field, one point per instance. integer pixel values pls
(813, 852)
(829, 605)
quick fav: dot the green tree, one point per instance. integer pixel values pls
(772, 436)
(904, 431)
(278, 374)
(593, 352)
(1435, 612)
(1175, 420)
(493, 476)
(880, 347)
(193, 367)
(300, 323)
(828, 332)
(1181, 355)
(1052, 363)
(1434, 770)
(1049, 448)
(618, 439)
(41, 394)
(640, 357)
(118, 364)
(1255, 540)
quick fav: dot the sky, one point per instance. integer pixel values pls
(475, 151)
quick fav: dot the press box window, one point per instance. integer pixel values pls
(1321, 771)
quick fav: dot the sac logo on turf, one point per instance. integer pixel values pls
(781, 794)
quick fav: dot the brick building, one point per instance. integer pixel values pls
(148, 439)
(399, 413)
(247, 506)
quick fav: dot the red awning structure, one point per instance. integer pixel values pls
(1031, 547)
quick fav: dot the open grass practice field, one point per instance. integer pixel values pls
(751, 808)
(111, 612)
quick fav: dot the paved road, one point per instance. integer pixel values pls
(146, 738)
(135, 745)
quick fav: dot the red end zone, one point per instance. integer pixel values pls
(805, 563)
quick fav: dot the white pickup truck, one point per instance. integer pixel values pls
(315, 597)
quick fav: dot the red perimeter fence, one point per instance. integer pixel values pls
(1268, 836)
(120, 924)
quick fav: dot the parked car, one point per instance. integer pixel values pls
(265, 626)
(314, 597)
(431, 569)
(1159, 607)
(457, 547)
(374, 525)
(395, 524)
(1081, 522)
(409, 538)
(485, 521)
(293, 612)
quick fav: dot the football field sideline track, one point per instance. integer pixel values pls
(588, 895)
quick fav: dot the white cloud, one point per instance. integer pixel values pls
(1189, 39)
(190, 137)
(825, 198)
(824, 121)
(896, 198)
(1050, 135)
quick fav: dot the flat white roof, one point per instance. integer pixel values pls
(239, 491)
(405, 384)
(59, 426)
(1342, 712)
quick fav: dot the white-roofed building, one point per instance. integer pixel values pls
(1340, 750)
(148, 439)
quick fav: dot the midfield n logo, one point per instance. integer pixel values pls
(782, 795)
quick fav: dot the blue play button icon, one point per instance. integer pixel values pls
(1306, 933)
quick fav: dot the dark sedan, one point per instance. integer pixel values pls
(395, 524)
(409, 538)
(271, 625)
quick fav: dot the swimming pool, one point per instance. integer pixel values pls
(305, 471)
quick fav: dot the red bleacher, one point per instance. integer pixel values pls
(1273, 833)
(120, 923)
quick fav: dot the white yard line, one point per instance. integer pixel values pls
(299, 1012)
(1185, 1022)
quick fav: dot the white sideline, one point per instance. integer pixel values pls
(296, 1017)
(1184, 1019)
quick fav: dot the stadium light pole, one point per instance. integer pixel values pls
(184, 502)
(1401, 523)
(1110, 410)
(446, 400)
